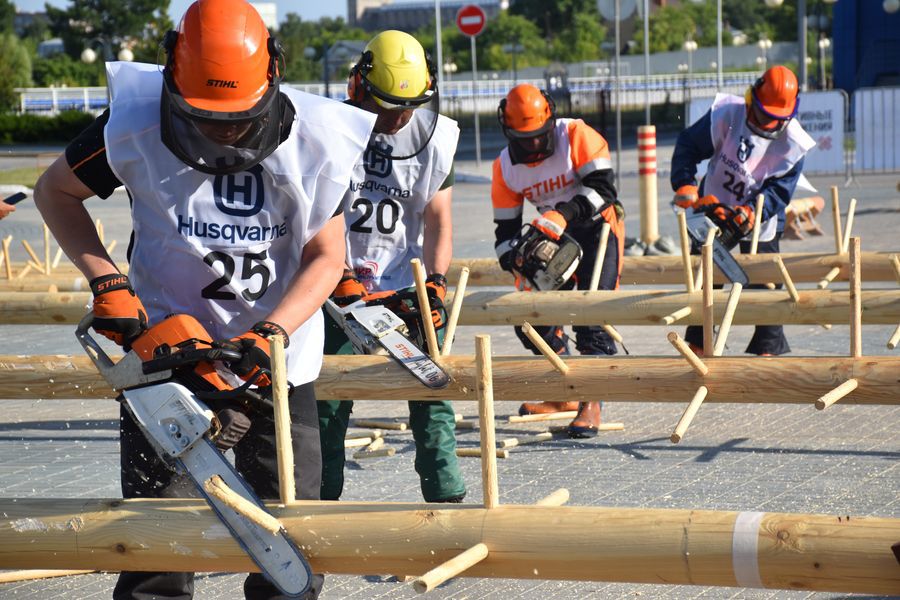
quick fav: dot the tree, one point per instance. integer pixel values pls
(581, 41)
(15, 70)
(553, 16)
(62, 69)
(7, 16)
(297, 36)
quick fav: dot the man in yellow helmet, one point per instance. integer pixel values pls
(397, 209)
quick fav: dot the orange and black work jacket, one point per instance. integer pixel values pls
(576, 179)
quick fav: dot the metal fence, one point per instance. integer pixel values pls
(877, 129)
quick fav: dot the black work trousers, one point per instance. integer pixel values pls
(145, 475)
(767, 339)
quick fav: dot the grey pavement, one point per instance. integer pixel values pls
(778, 458)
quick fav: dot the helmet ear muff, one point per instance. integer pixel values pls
(356, 84)
(550, 103)
(168, 46)
(276, 59)
(501, 113)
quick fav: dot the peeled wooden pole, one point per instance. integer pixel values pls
(697, 365)
(601, 255)
(458, 296)
(6, 261)
(32, 574)
(895, 263)
(425, 308)
(484, 388)
(829, 277)
(786, 278)
(451, 568)
(894, 339)
(855, 297)
(284, 449)
(562, 415)
(555, 498)
(217, 488)
(757, 222)
(734, 297)
(677, 315)
(836, 394)
(657, 546)
(836, 217)
(519, 379)
(689, 413)
(48, 266)
(524, 440)
(558, 363)
(708, 315)
(685, 252)
(848, 228)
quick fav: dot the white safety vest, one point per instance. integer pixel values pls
(743, 161)
(385, 203)
(224, 248)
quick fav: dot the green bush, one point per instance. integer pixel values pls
(34, 129)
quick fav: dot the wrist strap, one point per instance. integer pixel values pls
(266, 329)
(109, 283)
(437, 279)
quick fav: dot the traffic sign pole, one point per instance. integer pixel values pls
(475, 104)
(471, 20)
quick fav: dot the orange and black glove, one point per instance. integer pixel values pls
(741, 216)
(349, 289)
(551, 223)
(707, 202)
(118, 312)
(436, 288)
(686, 196)
(256, 362)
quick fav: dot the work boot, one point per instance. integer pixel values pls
(587, 422)
(545, 408)
(696, 349)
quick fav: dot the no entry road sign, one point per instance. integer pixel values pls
(470, 19)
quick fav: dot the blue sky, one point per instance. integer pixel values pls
(309, 10)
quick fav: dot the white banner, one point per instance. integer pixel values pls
(822, 116)
(876, 112)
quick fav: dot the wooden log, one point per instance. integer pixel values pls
(216, 487)
(855, 297)
(836, 394)
(836, 217)
(453, 318)
(656, 546)
(284, 449)
(520, 379)
(425, 307)
(32, 574)
(688, 415)
(563, 415)
(555, 498)
(686, 263)
(734, 297)
(786, 278)
(601, 255)
(451, 568)
(558, 363)
(484, 388)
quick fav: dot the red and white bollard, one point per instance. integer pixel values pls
(647, 182)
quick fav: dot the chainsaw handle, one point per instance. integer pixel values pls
(90, 345)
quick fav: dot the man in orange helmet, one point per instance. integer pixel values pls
(235, 186)
(563, 168)
(755, 146)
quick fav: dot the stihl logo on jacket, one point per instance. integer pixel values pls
(548, 186)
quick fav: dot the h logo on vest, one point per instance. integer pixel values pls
(240, 194)
(377, 159)
(744, 149)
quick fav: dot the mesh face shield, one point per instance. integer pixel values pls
(783, 122)
(532, 146)
(219, 143)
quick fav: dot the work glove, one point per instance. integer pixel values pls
(686, 196)
(551, 223)
(349, 289)
(741, 216)
(118, 312)
(706, 202)
(256, 359)
(436, 287)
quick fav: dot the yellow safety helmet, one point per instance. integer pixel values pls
(394, 69)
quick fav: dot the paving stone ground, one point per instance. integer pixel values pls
(776, 458)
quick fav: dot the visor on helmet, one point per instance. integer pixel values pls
(219, 143)
(391, 102)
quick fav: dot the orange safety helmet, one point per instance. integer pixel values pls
(775, 95)
(528, 119)
(221, 105)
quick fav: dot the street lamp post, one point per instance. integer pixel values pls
(513, 49)
(690, 46)
(764, 45)
(824, 44)
(89, 55)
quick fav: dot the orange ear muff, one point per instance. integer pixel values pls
(748, 96)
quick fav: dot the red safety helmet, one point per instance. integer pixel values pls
(528, 118)
(221, 105)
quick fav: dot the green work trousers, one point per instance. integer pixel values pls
(433, 426)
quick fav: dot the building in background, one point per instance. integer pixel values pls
(378, 15)
(269, 13)
(866, 44)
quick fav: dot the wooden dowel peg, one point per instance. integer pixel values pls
(848, 228)
(836, 217)
(467, 424)
(613, 332)
(598, 260)
(37, 262)
(111, 247)
(677, 315)
(57, 258)
(364, 433)
(218, 489)
(47, 264)
(32, 574)
(708, 315)
(24, 271)
(757, 223)
(555, 498)
(375, 424)
(375, 445)
(734, 297)
(689, 413)
(524, 440)
(377, 453)
(823, 283)
(786, 278)
(895, 262)
(686, 252)
(284, 449)
(99, 225)
(698, 279)
(477, 453)
(855, 296)
(451, 568)
(836, 394)
(545, 349)
(455, 309)
(557, 416)
(425, 308)
(6, 242)
(698, 365)
(895, 339)
(484, 389)
(358, 442)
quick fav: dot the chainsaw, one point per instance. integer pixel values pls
(185, 432)
(377, 330)
(545, 263)
(727, 237)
